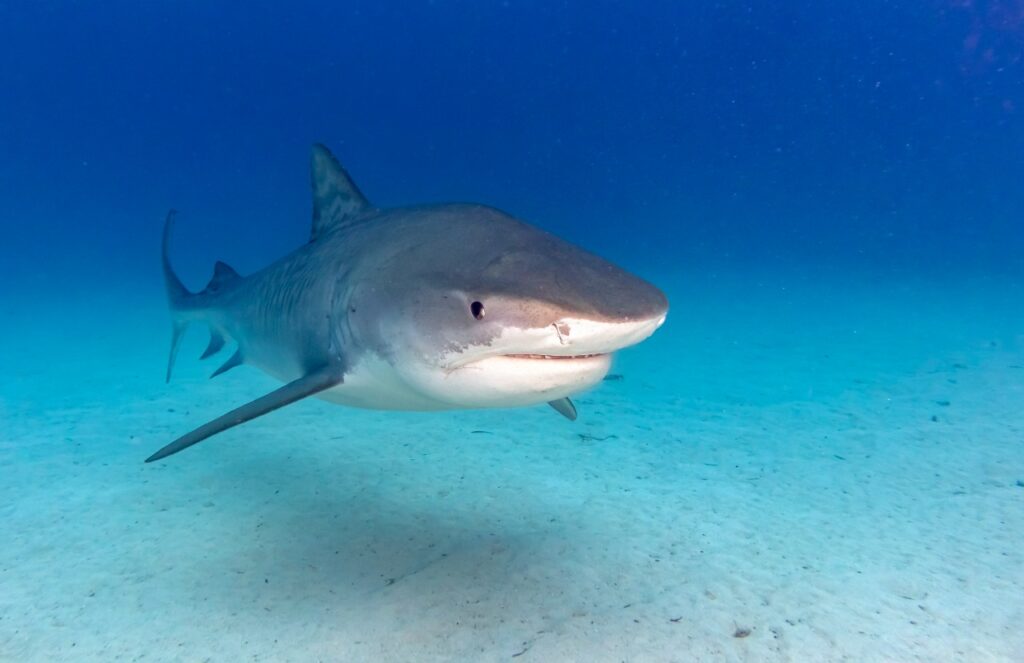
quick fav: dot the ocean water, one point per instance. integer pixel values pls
(818, 457)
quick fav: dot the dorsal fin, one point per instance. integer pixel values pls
(336, 199)
(222, 273)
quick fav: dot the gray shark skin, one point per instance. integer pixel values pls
(415, 308)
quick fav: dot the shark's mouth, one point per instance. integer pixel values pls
(557, 357)
(532, 361)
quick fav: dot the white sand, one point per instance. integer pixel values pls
(768, 462)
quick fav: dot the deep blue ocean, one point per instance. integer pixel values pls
(884, 134)
(818, 457)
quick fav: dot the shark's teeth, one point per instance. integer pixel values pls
(531, 356)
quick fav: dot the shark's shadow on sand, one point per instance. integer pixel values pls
(294, 528)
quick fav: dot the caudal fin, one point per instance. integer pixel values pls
(176, 290)
(187, 306)
(177, 294)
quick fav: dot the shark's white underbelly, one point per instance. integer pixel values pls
(496, 382)
(370, 383)
(376, 384)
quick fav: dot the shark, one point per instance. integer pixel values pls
(419, 308)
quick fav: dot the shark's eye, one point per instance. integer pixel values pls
(477, 309)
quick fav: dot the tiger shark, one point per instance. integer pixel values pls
(434, 307)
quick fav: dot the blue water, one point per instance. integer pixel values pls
(831, 196)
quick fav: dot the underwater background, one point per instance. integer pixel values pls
(817, 458)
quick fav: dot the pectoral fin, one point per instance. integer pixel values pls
(308, 385)
(565, 408)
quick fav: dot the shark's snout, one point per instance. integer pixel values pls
(563, 281)
(575, 337)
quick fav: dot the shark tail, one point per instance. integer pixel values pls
(187, 306)
(177, 294)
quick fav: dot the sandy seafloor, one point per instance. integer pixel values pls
(834, 465)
